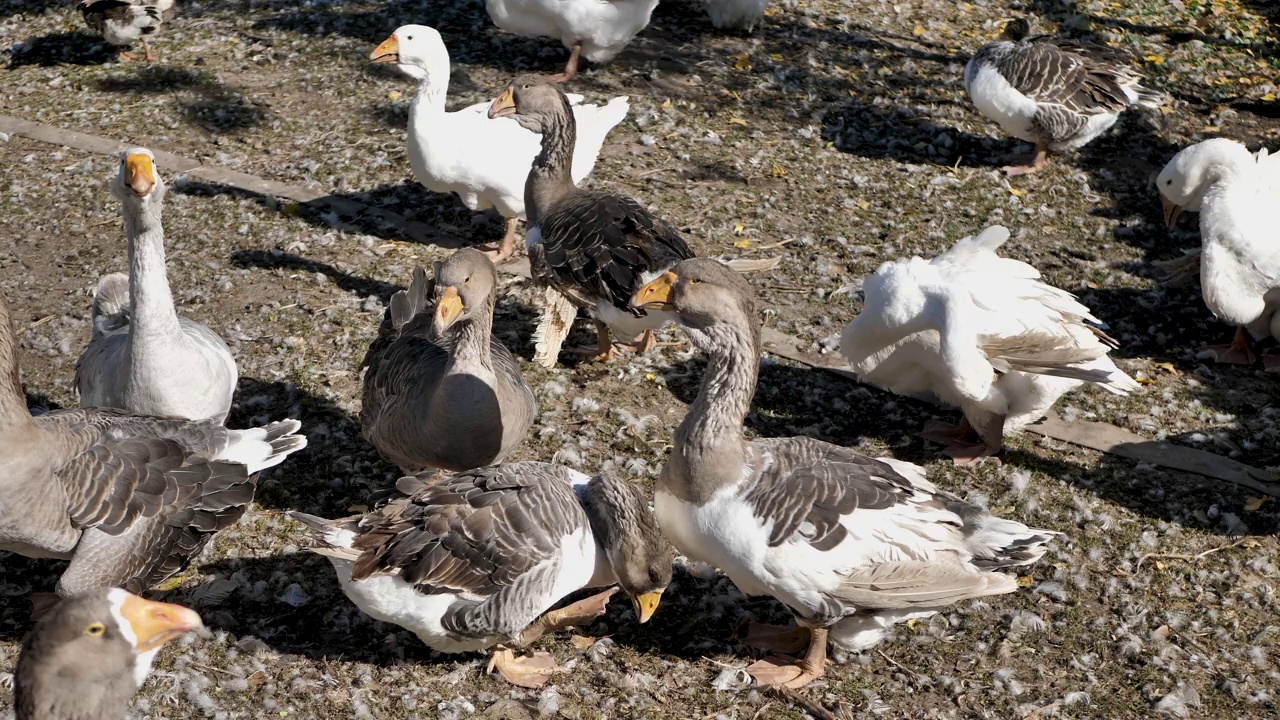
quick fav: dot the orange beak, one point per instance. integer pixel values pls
(139, 173)
(448, 309)
(156, 623)
(504, 105)
(656, 294)
(1172, 211)
(387, 52)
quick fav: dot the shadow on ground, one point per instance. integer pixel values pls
(204, 100)
(66, 48)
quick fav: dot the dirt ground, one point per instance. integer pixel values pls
(837, 136)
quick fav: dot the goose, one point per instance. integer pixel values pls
(981, 332)
(128, 499)
(1240, 245)
(440, 391)
(85, 658)
(1054, 93)
(735, 14)
(592, 247)
(142, 357)
(125, 22)
(485, 162)
(596, 29)
(850, 544)
(475, 560)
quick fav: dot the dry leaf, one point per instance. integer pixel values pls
(738, 228)
(1254, 503)
(742, 244)
(1145, 381)
(863, 204)
(737, 121)
(1025, 581)
(742, 61)
(1166, 366)
(1159, 565)
(666, 104)
(1154, 59)
(394, 95)
(778, 171)
(1016, 192)
(580, 642)
(1268, 97)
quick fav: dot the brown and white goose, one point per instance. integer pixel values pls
(477, 559)
(440, 391)
(128, 499)
(851, 544)
(595, 248)
(1057, 94)
(87, 656)
(125, 22)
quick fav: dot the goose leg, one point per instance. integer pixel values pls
(504, 249)
(531, 671)
(535, 669)
(603, 350)
(583, 612)
(647, 341)
(964, 444)
(778, 671)
(1034, 163)
(785, 639)
(570, 67)
(124, 55)
(1237, 352)
(147, 55)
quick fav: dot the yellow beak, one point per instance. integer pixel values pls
(448, 309)
(504, 105)
(1172, 211)
(656, 294)
(645, 604)
(156, 623)
(387, 52)
(139, 173)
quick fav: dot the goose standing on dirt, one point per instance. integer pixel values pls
(440, 391)
(595, 29)
(485, 162)
(1056, 94)
(86, 657)
(474, 560)
(736, 14)
(850, 544)
(125, 22)
(1236, 194)
(128, 499)
(980, 332)
(142, 357)
(587, 247)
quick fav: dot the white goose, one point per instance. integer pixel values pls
(484, 161)
(1236, 193)
(980, 332)
(598, 29)
(736, 14)
(143, 357)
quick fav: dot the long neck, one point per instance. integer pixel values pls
(551, 175)
(153, 317)
(471, 351)
(433, 88)
(710, 451)
(13, 404)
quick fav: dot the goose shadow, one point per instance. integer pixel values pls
(76, 47)
(271, 259)
(217, 108)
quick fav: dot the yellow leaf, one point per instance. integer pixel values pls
(394, 95)
(666, 105)
(1145, 381)
(742, 244)
(738, 228)
(742, 61)
(1254, 503)
(580, 642)
(918, 31)
(1025, 581)
(737, 121)
(775, 56)
(1016, 192)
(1159, 565)
(651, 376)
(1268, 97)
(777, 171)
(771, 12)
(1154, 59)
(863, 205)
(1166, 366)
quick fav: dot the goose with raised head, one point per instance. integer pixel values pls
(475, 560)
(1235, 192)
(595, 29)
(128, 499)
(592, 247)
(851, 544)
(440, 392)
(1057, 94)
(86, 658)
(125, 22)
(142, 357)
(980, 332)
(484, 161)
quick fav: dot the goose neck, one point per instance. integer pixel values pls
(13, 403)
(152, 314)
(433, 91)
(551, 176)
(470, 349)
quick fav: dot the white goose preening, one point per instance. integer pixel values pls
(87, 656)
(484, 161)
(440, 391)
(477, 559)
(1057, 94)
(593, 247)
(1236, 194)
(980, 332)
(595, 29)
(142, 357)
(849, 543)
(125, 22)
(128, 499)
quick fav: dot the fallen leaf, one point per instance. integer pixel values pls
(1268, 97)
(918, 31)
(651, 376)
(580, 642)
(1154, 59)
(778, 171)
(1025, 581)
(666, 104)
(394, 95)
(863, 205)
(742, 61)
(1145, 381)
(1254, 503)
(737, 121)
(1016, 192)
(742, 244)
(257, 678)
(1166, 366)
(1159, 565)
(737, 229)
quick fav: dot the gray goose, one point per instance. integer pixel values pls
(1057, 94)
(86, 657)
(851, 544)
(128, 499)
(477, 559)
(440, 391)
(595, 248)
(125, 22)
(142, 357)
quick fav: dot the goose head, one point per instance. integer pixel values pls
(533, 101)
(1188, 175)
(464, 287)
(136, 180)
(710, 300)
(416, 50)
(626, 529)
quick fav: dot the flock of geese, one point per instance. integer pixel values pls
(472, 553)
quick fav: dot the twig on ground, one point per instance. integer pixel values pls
(809, 706)
(1188, 558)
(897, 664)
(1040, 711)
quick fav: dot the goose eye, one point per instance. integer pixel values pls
(695, 282)
(526, 86)
(95, 630)
(409, 38)
(467, 280)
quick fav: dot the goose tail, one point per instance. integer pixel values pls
(264, 447)
(334, 537)
(558, 313)
(110, 304)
